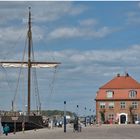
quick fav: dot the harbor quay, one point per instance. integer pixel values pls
(129, 131)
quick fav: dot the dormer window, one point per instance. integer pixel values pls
(109, 94)
(132, 94)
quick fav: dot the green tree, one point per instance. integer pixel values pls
(102, 113)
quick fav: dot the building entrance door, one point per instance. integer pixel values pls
(123, 119)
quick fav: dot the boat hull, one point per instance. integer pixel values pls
(22, 122)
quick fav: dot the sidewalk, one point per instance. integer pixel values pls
(29, 133)
(89, 132)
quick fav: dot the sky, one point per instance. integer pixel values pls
(94, 41)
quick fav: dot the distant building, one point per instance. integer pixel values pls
(118, 101)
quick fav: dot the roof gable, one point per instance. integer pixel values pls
(122, 82)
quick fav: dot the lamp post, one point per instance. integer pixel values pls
(65, 116)
(93, 117)
(77, 110)
(90, 117)
(85, 118)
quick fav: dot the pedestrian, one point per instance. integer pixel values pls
(6, 129)
(75, 125)
(1, 128)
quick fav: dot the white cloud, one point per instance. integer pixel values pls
(107, 56)
(11, 34)
(51, 10)
(72, 32)
(95, 62)
(133, 17)
(64, 33)
(111, 56)
(88, 22)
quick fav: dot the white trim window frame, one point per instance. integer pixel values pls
(102, 105)
(132, 94)
(111, 116)
(135, 104)
(109, 94)
(111, 105)
(122, 104)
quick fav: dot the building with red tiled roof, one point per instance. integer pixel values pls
(118, 101)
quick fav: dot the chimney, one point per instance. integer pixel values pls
(126, 74)
(118, 75)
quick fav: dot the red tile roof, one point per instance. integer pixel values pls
(122, 82)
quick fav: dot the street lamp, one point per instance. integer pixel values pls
(85, 117)
(90, 117)
(77, 110)
(65, 116)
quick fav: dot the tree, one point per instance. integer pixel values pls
(102, 113)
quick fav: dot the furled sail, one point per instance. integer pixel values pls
(33, 64)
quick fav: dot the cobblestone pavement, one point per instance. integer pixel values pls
(90, 132)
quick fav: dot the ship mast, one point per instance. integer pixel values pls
(29, 60)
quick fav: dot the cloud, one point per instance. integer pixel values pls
(72, 32)
(51, 10)
(133, 17)
(91, 64)
(95, 62)
(12, 33)
(64, 33)
(107, 56)
(88, 22)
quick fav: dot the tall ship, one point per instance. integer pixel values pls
(30, 120)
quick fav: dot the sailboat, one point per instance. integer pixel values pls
(27, 121)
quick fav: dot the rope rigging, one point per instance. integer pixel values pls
(6, 77)
(52, 85)
(18, 79)
(19, 76)
(37, 96)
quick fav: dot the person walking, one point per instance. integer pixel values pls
(6, 129)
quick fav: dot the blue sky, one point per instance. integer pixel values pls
(93, 40)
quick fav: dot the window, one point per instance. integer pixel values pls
(111, 105)
(123, 104)
(135, 117)
(109, 94)
(132, 94)
(134, 104)
(111, 116)
(102, 104)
